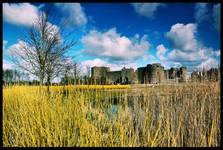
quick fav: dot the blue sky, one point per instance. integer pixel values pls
(124, 34)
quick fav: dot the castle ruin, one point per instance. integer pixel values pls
(151, 74)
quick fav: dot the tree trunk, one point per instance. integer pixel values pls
(41, 80)
(48, 80)
(48, 83)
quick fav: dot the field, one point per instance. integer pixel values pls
(118, 115)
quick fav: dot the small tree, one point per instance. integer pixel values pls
(7, 75)
(71, 70)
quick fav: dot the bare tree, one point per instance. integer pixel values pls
(43, 49)
(72, 70)
(88, 71)
(7, 75)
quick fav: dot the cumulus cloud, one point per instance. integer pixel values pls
(26, 14)
(161, 50)
(147, 9)
(209, 63)
(14, 47)
(183, 36)
(151, 58)
(216, 16)
(114, 47)
(201, 12)
(73, 13)
(6, 65)
(200, 54)
(16, 53)
(20, 14)
(186, 49)
(99, 62)
(52, 31)
(17, 48)
(217, 53)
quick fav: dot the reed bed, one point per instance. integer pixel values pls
(112, 115)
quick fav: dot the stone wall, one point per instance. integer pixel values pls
(166, 74)
(127, 75)
(98, 72)
(114, 77)
(183, 74)
(124, 76)
(151, 74)
(141, 75)
(173, 73)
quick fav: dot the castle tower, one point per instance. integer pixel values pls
(166, 73)
(183, 74)
(141, 74)
(98, 72)
(155, 73)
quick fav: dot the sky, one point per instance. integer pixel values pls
(127, 35)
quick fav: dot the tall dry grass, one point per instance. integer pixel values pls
(162, 115)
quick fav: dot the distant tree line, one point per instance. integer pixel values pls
(13, 76)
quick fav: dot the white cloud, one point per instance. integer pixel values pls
(17, 48)
(183, 36)
(151, 59)
(100, 63)
(20, 14)
(114, 47)
(217, 53)
(199, 55)
(73, 13)
(16, 52)
(7, 65)
(161, 50)
(52, 31)
(209, 63)
(187, 50)
(201, 12)
(192, 60)
(147, 9)
(216, 16)
(145, 57)
(95, 62)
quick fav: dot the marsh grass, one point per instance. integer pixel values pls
(162, 115)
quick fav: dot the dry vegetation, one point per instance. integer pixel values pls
(162, 115)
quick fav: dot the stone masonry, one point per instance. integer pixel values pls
(151, 74)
